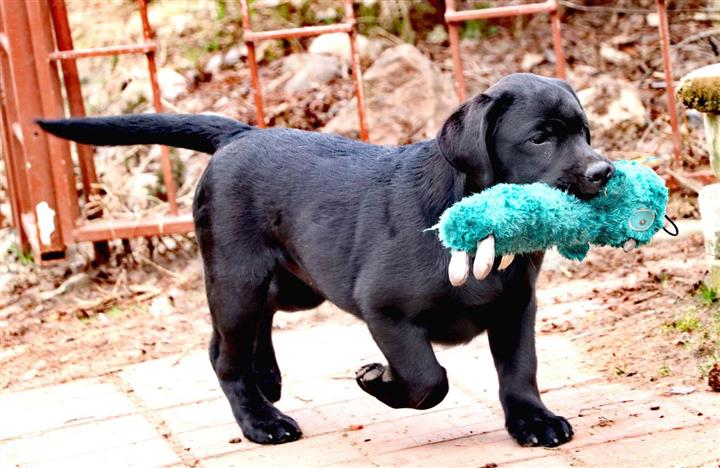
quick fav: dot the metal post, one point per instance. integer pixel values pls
(357, 71)
(454, 36)
(557, 42)
(51, 101)
(76, 105)
(157, 103)
(252, 64)
(12, 149)
(669, 84)
(40, 219)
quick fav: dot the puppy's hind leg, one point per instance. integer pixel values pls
(287, 293)
(265, 366)
(237, 287)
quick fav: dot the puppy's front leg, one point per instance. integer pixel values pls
(413, 378)
(512, 342)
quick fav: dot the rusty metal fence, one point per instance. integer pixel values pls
(35, 39)
(453, 17)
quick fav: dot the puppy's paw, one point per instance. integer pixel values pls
(271, 427)
(539, 428)
(377, 380)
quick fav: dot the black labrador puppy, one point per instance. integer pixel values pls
(287, 219)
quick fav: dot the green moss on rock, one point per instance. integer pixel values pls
(700, 89)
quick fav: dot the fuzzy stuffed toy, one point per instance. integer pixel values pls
(510, 219)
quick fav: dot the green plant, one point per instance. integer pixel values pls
(705, 367)
(664, 370)
(25, 258)
(114, 311)
(478, 29)
(689, 322)
(220, 9)
(706, 294)
(212, 46)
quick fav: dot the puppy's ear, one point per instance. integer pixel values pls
(464, 139)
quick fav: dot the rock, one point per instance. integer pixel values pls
(338, 44)
(407, 97)
(310, 70)
(531, 60)
(652, 19)
(681, 390)
(172, 84)
(7, 283)
(612, 103)
(714, 377)
(139, 188)
(161, 306)
(612, 55)
(214, 63)
(709, 204)
(234, 55)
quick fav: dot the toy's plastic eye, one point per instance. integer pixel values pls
(642, 219)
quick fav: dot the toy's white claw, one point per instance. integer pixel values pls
(506, 261)
(459, 267)
(629, 245)
(484, 258)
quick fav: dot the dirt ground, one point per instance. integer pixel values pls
(75, 320)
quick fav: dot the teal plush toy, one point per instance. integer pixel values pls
(509, 219)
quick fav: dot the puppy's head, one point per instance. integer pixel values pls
(525, 129)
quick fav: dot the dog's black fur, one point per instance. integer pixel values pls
(287, 219)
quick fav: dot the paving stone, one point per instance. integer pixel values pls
(325, 450)
(326, 350)
(422, 428)
(493, 446)
(367, 410)
(58, 406)
(205, 428)
(121, 441)
(168, 382)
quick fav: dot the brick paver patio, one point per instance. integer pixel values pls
(171, 412)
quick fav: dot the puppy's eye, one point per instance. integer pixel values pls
(539, 138)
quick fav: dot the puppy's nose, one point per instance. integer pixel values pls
(599, 172)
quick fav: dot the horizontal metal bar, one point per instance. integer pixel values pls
(297, 32)
(122, 229)
(679, 180)
(143, 48)
(512, 10)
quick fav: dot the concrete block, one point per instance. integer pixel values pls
(709, 201)
(123, 441)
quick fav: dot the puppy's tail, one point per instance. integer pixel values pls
(205, 133)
